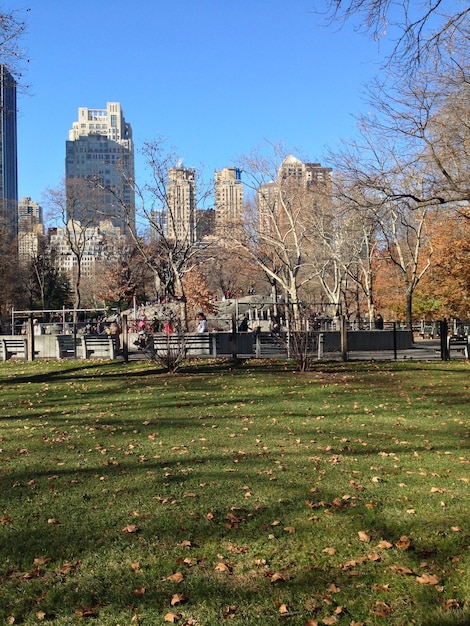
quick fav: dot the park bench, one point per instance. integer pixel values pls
(99, 346)
(67, 347)
(13, 347)
(457, 343)
(194, 345)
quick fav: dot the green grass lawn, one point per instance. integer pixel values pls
(255, 495)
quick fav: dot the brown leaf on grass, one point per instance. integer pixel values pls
(40, 615)
(139, 591)
(6, 519)
(178, 598)
(88, 611)
(276, 578)
(330, 551)
(330, 620)
(451, 603)
(171, 617)
(311, 622)
(381, 609)
(41, 560)
(428, 579)
(283, 609)
(403, 543)
(401, 569)
(223, 567)
(334, 588)
(363, 536)
(289, 529)
(384, 545)
(53, 520)
(177, 577)
(135, 566)
(230, 611)
(130, 528)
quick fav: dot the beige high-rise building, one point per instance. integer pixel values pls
(181, 209)
(100, 149)
(30, 229)
(299, 189)
(228, 197)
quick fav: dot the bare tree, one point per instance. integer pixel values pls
(171, 211)
(276, 232)
(72, 206)
(419, 28)
(12, 27)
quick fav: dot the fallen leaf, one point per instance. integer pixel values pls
(428, 579)
(401, 569)
(283, 609)
(222, 567)
(381, 609)
(289, 529)
(40, 615)
(276, 577)
(384, 545)
(178, 598)
(140, 591)
(363, 536)
(330, 620)
(130, 528)
(41, 560)
(403, 543)
(177, 577)
(330, 551)
(87, 612)
(171, 617)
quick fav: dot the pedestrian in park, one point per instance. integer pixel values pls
(201, 323)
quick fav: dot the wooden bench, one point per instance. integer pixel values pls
(13, 347)
(68, 348)
(194, 345)
(99, 346)
(457, 343)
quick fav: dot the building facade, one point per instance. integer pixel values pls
(8, 151)
(294, 197)
(30, 229)
(181, 201)
(99, 168)
(228, 197)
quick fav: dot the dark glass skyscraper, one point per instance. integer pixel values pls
(8, 151)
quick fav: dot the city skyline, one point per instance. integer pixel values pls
(216, 82)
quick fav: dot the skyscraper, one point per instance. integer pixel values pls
(99, 168)
(8, 151)
(181, 217)
(30, 228)
(228, 200)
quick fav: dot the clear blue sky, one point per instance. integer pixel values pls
(216, 77)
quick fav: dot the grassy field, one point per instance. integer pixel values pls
(255, 495)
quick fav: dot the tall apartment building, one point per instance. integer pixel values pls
(181, 201)
(299, 190)
(97, 243)
(8, 151)
(100, 154)
(30, 229)
(228, 197)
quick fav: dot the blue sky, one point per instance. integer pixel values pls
(216, 78)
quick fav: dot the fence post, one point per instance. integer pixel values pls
(344, 339)
(443, 332)
(125, 337)
(30, 339)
